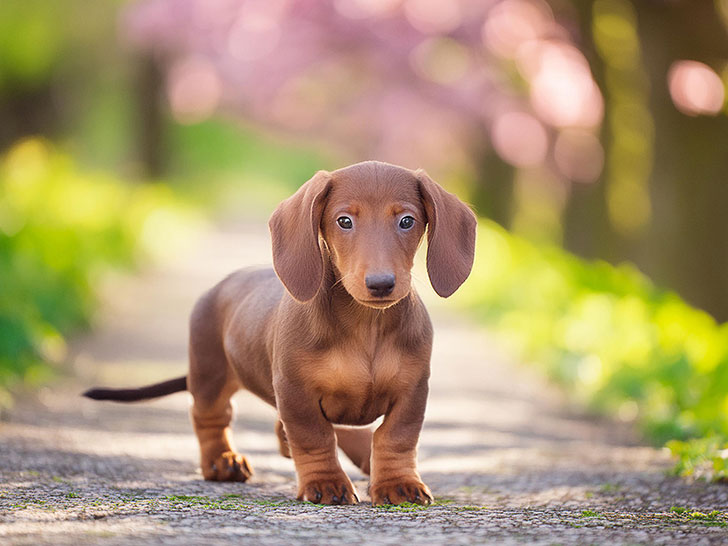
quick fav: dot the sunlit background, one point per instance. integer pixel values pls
(590, 136)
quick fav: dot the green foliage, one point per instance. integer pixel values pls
(59, 231)
(31, 39)
(614, 341)
(38, 38)
(230, 167)
(220, 147)
(701, 457)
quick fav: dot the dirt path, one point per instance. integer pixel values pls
(505, 459)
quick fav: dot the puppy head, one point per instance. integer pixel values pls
(371, 216)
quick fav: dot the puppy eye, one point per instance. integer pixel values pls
(406, 222)
(344, 222)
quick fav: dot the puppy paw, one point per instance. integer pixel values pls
(330, 490)
(400, 490)
(228, 467)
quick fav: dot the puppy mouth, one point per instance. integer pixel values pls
(379, 303)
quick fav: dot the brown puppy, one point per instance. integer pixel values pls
(337, 338)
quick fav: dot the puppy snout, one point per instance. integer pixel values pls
(380, 284)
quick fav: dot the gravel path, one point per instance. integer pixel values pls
(506, 459)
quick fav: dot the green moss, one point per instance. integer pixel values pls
(225, 502)
(404, 507)
(609, 487)
(271, 503)
(196, 499)
(714, 518)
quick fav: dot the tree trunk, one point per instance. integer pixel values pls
(150, 133)
(689, 235)
(587, 230)
(492, 194)
(27, 111)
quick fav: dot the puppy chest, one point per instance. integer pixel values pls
(354, 389)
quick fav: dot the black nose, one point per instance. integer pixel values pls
(380, 284)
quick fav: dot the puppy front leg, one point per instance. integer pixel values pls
(394, 476)
(312, 445)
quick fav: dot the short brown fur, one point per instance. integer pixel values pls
(325, 351)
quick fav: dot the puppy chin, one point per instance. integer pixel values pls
(377, 303)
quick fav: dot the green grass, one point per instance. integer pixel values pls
(703, 457)
(61, 230)
(618, 344)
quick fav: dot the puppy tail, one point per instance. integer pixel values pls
(142, 393)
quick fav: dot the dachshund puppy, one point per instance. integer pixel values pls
(334, 336)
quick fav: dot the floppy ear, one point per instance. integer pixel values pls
(450, 236)
(294, 228)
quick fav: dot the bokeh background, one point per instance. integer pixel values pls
(591, 137)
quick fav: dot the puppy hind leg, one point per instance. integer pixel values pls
(211, 416)
(356, 443)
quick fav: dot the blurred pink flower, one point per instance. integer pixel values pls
(695, 88)
(413, 81)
